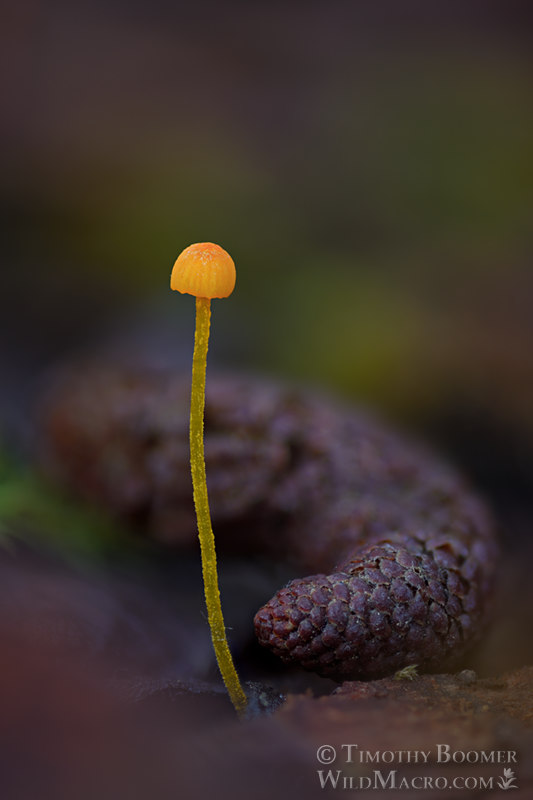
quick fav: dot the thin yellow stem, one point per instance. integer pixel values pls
(201, 503)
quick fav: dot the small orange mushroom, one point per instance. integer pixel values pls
(205, 270)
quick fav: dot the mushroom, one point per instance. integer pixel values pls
(206, 271)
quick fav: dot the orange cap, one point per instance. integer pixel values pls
(204, 270)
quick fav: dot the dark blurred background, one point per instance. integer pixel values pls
(368, 166)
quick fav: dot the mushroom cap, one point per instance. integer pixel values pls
(204, 270)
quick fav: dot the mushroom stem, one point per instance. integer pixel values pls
(203, 516)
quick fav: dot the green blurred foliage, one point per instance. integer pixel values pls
(32, 510)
